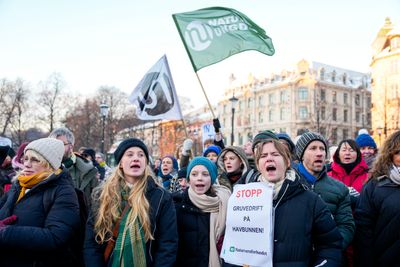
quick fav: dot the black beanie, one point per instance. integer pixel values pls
(127, 143)
(263, 136)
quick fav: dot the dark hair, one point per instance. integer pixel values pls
(352, 144)
(385, 157)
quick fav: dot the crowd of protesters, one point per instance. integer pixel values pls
(333, 205)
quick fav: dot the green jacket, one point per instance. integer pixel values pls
(83, 176)
(336, 196)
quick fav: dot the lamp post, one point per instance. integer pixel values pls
(104, 114)
(233, 100)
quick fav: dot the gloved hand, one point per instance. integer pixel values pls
(8, 221)
(353, 192)
(217, 125)
(187, 146)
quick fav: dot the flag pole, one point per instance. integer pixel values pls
(184, 127)
(204, 92)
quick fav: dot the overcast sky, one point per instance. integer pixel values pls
(97, 42)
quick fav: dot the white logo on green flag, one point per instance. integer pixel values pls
(213, 34)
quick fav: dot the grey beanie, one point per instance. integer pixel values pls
(50, 149)
(305, 139)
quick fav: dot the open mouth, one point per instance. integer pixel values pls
(271, 168)
(135, 166)
(200, 186)
(318, 161)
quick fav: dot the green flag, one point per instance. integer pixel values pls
(212, 34)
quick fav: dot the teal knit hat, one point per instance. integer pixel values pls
(211, 167)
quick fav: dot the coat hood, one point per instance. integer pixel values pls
(239, 152)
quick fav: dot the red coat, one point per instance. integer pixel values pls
(356, 178)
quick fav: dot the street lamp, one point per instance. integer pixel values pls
(104, 114)
(233, 100)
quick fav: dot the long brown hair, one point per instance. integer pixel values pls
(385, 157)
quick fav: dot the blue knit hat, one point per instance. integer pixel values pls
(286, 137)
(175, 165)
(211, 167)
(215, 149)
(365, 140)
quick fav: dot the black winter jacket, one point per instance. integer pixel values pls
(305, 233)
(162, 250)
(337, 198)
(194, 233)
(377, 215)
(47, 224)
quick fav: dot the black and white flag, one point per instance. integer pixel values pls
(155, 96)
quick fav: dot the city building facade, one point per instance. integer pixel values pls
(385, 74)
(333, 101)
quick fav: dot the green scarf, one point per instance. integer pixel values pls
(130, 246)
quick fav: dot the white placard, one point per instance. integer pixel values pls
(208, 132)
(249, 226)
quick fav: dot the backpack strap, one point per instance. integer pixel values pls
(111, 243)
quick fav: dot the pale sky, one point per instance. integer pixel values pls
(97, 42)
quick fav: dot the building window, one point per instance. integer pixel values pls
(357, 116)
(334, 136)
(369, 102)
(345, 133)
(369, 118)
(345, 115)
(322, 74)
(270, 115)
(303, 93)
(334, 96)
(323, 113)
(224, 109)
(345, 98)
(283, 96)
(240, 105)
(260, 117)
(249, 102)
(240, 139)
(357, 100)
(282, 114)
(261, 100)
(334, 114)
(271, 99)
(303, 112)
(323, 94)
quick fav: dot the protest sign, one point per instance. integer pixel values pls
(249, 226)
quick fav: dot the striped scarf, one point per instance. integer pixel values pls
(130, 245)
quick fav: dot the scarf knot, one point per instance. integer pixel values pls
(29, 181)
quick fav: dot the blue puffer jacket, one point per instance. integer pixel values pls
(48, 220)
(162, 250)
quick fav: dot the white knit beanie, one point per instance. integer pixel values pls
(50, 149)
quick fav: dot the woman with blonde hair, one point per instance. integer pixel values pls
(377, 215)
(39, 216)
(133, 220)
